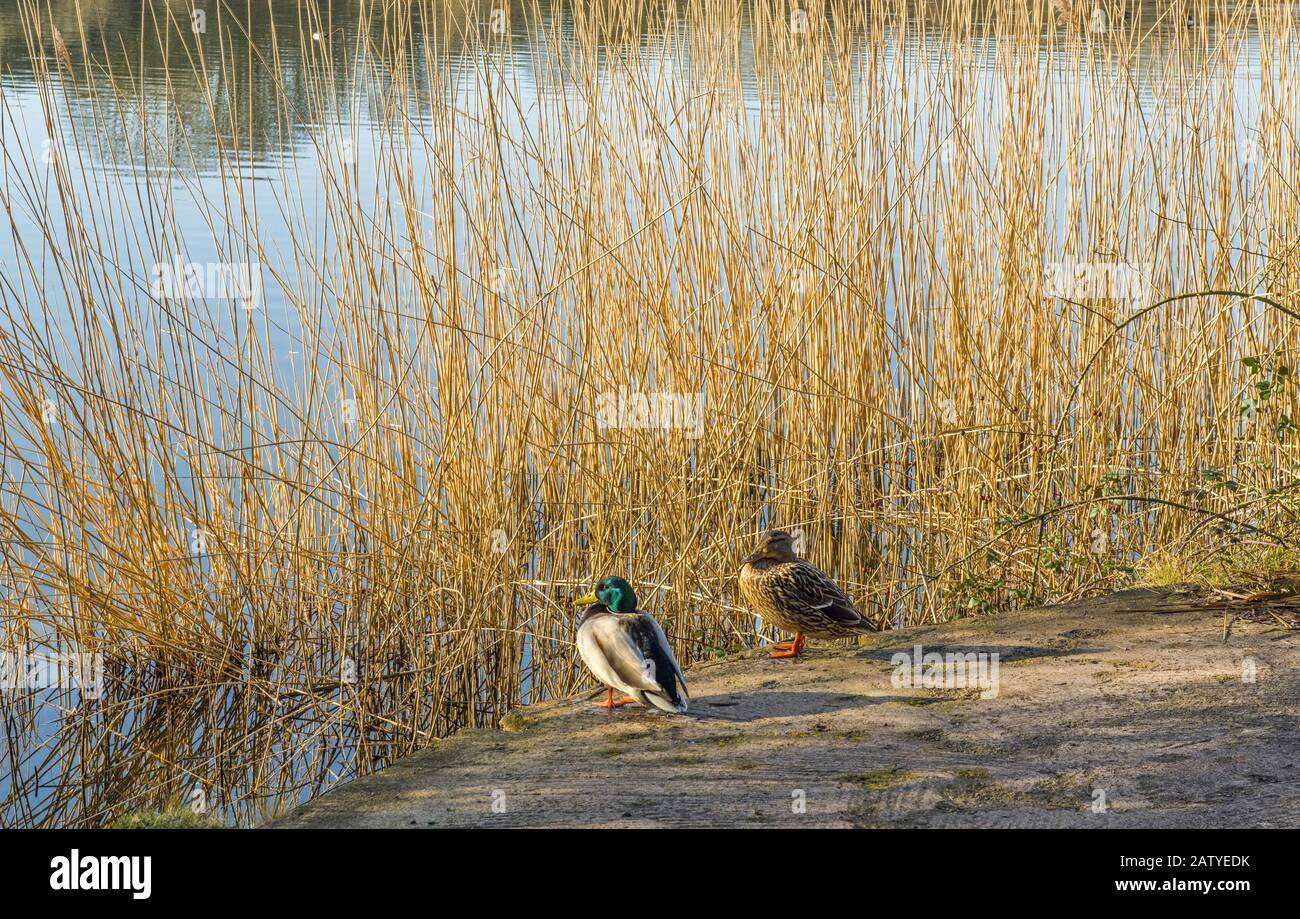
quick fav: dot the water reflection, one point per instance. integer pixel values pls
(175, 78)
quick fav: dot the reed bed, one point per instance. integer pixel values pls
(983, 301)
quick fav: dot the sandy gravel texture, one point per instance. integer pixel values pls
(1130, 710)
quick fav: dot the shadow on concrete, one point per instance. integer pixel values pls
(755, 706)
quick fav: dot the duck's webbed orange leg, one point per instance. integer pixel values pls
(789, 648)
(609, 702)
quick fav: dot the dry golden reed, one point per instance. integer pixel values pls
(564, 290)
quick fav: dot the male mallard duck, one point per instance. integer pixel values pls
(783, 588)
(626, 649)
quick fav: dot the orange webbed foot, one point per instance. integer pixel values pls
(786, 649)
(610, 703)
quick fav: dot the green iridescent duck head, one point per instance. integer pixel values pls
(615, 594)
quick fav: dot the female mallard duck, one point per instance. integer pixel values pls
(626, 649)
(780, 586)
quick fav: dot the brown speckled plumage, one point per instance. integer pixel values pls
(787, 590)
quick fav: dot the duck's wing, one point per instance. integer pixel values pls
(636, 650)
(804, 587)
(654, 642)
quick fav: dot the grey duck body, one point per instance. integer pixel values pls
(629, 652)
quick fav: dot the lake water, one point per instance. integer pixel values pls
(278, 144)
